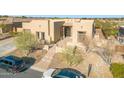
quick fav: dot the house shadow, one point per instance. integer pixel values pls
(29, 61)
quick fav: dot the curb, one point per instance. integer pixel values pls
(37, 69)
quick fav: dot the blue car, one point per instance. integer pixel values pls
(62, 73)
(12, 63)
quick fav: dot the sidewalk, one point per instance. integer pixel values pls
(45, 61)
(41, 66)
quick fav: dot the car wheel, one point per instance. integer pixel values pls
(9, 70)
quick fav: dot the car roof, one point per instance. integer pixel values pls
(11, 58)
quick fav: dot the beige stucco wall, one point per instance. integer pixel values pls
(38, 26)
(19, 29)
(82, 26)
(50, 27)
(58, 30)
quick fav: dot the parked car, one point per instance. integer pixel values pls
(62, 73)
(12, 63)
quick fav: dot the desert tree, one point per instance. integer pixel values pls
(107, 52)
(72, 55)
(26, 42)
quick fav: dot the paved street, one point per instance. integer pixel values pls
(26, 74)
(6, 46)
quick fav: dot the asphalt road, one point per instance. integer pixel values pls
(6, 46)
(26, 74)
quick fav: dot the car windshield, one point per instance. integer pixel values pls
(64, 73)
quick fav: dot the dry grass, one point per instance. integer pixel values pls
(59, 62)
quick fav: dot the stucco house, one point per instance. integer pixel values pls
(53, 30)
(11, 24)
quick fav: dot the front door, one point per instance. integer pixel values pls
(67, 31)
(81, 36)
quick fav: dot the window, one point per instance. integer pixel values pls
(40, 35)
(7, 63)
(81, 36)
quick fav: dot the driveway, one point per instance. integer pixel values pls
(6, 46)
(30, 73)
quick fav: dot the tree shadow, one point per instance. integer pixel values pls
(29, 61)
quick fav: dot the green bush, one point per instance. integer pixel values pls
(109, 28)
(117, 70)
(26, 42)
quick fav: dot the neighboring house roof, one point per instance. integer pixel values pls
(11, 20)
(8, 21)
(121, 31)
(22, 19)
